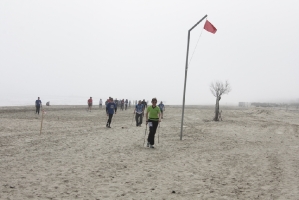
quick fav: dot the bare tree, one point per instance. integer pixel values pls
(218, 89)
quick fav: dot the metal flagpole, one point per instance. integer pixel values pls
(186, 70)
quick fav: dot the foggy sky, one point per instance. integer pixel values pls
(65, 51)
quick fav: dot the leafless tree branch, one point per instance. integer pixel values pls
(217, 89)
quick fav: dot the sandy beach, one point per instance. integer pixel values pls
(252, 154)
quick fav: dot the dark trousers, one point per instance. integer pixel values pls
(138, 118)
(37, 109)
(152, 129)
(109, 119)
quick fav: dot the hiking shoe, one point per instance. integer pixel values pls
(148, 144)
(152, 146)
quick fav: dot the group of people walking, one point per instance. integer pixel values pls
(153, 113)
(140, 108)
(153, 116)
(122, 104)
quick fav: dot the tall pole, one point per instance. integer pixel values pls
(186, 71)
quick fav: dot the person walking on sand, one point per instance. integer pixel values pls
(100, 103)
(139, 113)
(110, 110)
(126, 104)
(122, 102)
(153, 117)
(89, 103)
(144, 103)
(162, 108)
(116, 103)
(38, 105)
(107, 101)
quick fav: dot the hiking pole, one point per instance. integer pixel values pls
(41, 124)
(132, 119)
(107, 119)
(158, 132)
(114, 117)
(145, 134)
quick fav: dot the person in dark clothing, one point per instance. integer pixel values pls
(144, 104)
(139, 113)
(162, 108)
(122, 103)
(126, 104)
(38, 105)
(110, 110)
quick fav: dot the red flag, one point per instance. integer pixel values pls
(209, 27)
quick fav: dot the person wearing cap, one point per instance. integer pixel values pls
(38, 104)
(110, 110)
(89, 103)
(153, 117)
(139, 113)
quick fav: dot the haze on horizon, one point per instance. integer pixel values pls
(64, 51)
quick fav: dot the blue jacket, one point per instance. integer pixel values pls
(161, 106)
(38, 103)
(110, 108)
(139, 108)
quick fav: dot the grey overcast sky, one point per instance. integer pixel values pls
(66, 51)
